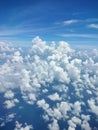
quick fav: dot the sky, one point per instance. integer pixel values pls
(74, 21)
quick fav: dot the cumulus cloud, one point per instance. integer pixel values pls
(77, 107)
(20, 127)
(85, 126)
(11, 103)
(93, 106)
(61, 81)
(17, 57)
(54, 97)
(9, 94)
(43, 104)
(54, 125)
(64, 108)
(10, 117)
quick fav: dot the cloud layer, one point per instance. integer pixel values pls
(61, 81)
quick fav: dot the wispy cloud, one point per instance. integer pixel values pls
(80, 35)
(73, 21)
(93, 26)
(69, 22)
(91, 20)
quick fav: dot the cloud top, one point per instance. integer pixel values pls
(56, 78)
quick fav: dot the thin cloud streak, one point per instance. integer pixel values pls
(73, 21)
(80, 35)
(69, 22)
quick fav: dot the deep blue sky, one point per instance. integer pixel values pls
(75, 21)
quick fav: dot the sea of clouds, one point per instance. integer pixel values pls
(61, 81)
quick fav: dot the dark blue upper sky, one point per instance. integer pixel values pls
(75, 21)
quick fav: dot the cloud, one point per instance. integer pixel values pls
(93, 106)
(10, 117)
(54, 125)
(54, 97)
(86, 126)
(9, 94)
(42, 103)
(11, 103)
(93, 26)
(71, 128)
(17, 57)
(80, 35)
(64, 108)
(77, 107)
(20, 127)
(69, 22)
(52, 71)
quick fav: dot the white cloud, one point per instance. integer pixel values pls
(9, 94)
(93, 106)
(69, 22)
(46, 117)
(71, 128)
(85, 125)
(11, 103)
(20, 127)
(57, 114)
(85, 117)
(64, 107)
(45, 90)
(10, 117)
(77, 107)
(54, 125)
(51, 71)
(30, 98)
(43, 104)
(54, 97)
(17, 57)
(76, 120)
(71, 124)
(93, 26)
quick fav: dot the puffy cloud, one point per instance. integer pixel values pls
(11, 103)
(57, 114)
(20, 127)
(42, 103)
(10, 117)
(77, 107)
(17, 57)
(85, 117)
(10, 73)
(54, 125)
(85, 126)
(93, 106)
(51, 71)
(72, 125)
(45, 90)
(39, 46)
(71, 128)
(54, 97)
(6, 47)
(9, 94)
(76, 120)
(64, 108)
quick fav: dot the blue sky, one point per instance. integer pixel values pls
(75, 21)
